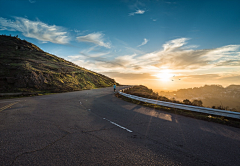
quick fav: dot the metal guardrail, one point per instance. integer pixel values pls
(211, 111)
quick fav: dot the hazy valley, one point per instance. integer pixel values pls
(211, 95)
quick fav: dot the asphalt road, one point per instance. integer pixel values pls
(93, 127)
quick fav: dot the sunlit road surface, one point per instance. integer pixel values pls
(93, 127)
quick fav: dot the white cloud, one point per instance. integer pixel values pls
(143, 43)
(126, 59)
(137, 12)
(190, 47)
(174, 44)
(175, 55)
(193, 66)
(96, 38)
(35, 29)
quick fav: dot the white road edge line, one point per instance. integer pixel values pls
(130, 131)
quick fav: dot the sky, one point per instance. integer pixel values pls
(163, 44)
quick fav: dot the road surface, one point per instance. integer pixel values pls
(93, 127)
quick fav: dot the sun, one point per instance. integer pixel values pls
(164, 75)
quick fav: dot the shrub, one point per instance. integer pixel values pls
(197, 103)
(186, 101)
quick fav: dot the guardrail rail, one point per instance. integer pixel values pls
(211, 111)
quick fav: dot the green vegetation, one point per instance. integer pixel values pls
(143, 91)
(26, 68)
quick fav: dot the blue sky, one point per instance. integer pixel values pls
(163, 44)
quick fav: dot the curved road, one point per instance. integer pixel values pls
(93, 127)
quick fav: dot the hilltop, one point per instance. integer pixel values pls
(24, 67)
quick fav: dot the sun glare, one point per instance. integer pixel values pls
(165, 75)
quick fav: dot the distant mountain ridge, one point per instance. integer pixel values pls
(210, 95)
(24, 67)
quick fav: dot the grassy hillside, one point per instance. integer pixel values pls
(24, 67)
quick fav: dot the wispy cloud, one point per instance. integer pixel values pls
(175, 54)
(135, 50)
(170, 2)
(153, 19)
(32, 1)
(137, 12)
(136, 5)
(191, 65)
(175, 44)
(129, 76)
(96, 38)
(92, 52)
(215, 78)
(36, 29)
(79, 32)
(230, 63)
(143, 43)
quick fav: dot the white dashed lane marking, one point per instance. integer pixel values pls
(130, 131)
